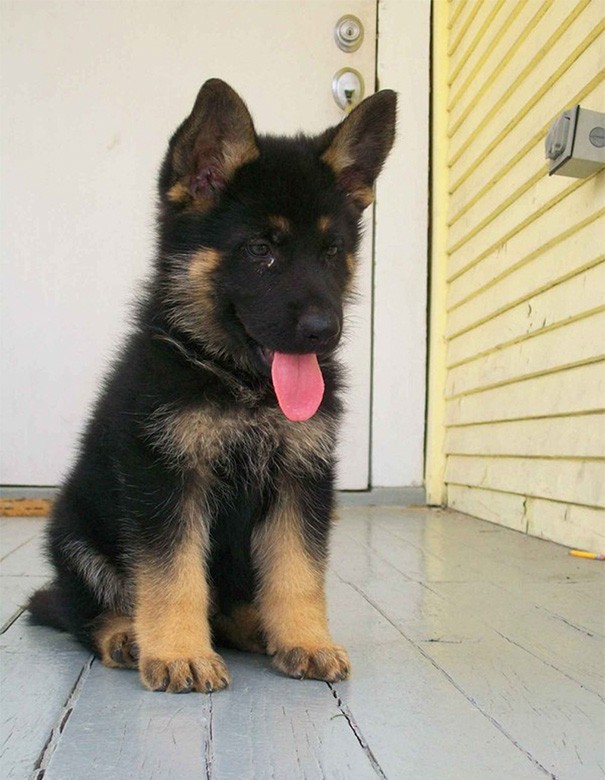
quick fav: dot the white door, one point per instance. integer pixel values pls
(91, 92)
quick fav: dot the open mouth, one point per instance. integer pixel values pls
(297, 381)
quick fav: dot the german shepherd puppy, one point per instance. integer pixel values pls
(199, 509)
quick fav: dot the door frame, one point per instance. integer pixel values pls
(398, 411)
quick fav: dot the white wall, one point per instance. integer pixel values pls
(78, 195)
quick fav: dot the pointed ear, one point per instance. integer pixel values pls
(359, 146)
(216, 139)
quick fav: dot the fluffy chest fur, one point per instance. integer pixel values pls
(208, 439)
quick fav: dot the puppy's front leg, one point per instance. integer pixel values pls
(291, 596)
(171, 621)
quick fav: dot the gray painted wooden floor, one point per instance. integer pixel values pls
(477, 653)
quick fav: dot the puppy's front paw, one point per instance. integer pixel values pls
(330, 663)
(203, 674)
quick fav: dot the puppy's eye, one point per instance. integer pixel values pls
(259, 249)
(332, 250)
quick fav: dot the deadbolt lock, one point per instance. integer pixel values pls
(348, 33)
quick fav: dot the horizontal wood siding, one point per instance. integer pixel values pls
(524, 269)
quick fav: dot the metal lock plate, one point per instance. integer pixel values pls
(347, 88)
(348, 33)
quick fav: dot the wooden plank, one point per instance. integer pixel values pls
(512, 569)
(528, 699)
(475, 34)
(552, 308)
(536, 61)
(546, 352)
(572, 481)
(577, 604)
(395, 690)
(29, 559)
(14, 595)
(528, 132)
(558, 723)
(462, 634)
(467, 219)
(520, 209)
(25, 507)
(581, 436)
(269, 726)
(505, 509)
(537, 200)
(459, 28)
(264, 725)
(24, 567)
(502, 63)
(39, 671)
(573, 526)
(469, 550)
(520, 618)
(482, 551)
(543, 396)
(522, 246)
(492, 52)
(566, 254)
(456, 8)
(16, 531)
(425, 559)
(119, 730)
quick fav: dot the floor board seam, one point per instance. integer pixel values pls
(549, 664)
(451, 680)
(56, 732)
(353, 725)
(567, 622)
(12, 619)
(18, 547)
(209, 747)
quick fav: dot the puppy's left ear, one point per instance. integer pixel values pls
(359, 146)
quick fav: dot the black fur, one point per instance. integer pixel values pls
(264, 285)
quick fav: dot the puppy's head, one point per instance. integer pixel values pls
(259, 234)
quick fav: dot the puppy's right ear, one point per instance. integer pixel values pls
(216, 139)
(359, 146)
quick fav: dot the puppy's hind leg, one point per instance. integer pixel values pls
(241, 629)
(115, 641)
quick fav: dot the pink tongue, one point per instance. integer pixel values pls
(298, 383)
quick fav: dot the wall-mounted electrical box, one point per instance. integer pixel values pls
(575, 144)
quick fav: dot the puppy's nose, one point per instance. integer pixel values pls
(317, 327)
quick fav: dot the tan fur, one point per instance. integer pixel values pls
(205, 435)
(114, 639)
(281, 224)
(179, 193)
(237, 153)
(171, 618)
(339, 156)
(291, 598)
(192, 298)
(363, 196)
(324, 224)
(351, 264)
(241, 629)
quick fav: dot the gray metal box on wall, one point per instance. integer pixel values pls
(575, 144)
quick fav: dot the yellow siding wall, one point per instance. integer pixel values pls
(518, 269)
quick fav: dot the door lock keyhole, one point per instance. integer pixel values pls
(347, 88)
